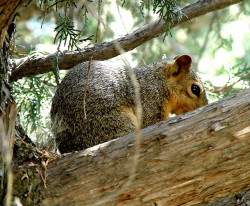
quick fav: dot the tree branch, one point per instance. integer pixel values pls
(39, 64)
(191, 159)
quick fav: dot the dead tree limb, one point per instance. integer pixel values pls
(190, 159)
(39, 64)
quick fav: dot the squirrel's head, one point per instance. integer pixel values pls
(185, 89)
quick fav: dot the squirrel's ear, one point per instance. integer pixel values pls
(183, 64)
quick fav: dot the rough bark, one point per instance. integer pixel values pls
(8, 12)
(190, 159)
(38, 64)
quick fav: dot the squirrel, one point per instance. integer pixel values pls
(167, 86)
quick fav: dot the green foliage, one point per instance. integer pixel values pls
(32, 96)
(237, 74)
(65, 30)
(167, 10)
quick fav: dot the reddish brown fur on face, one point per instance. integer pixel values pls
(181, 78)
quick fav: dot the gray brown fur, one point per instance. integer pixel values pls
(109, 89)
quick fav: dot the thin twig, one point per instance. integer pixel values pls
(91, 57)
(227, 87)
(44, 164)
(137, 119)
(119, 12)
(44, 17)
(206, 38)
(124, 26)
(8, 140)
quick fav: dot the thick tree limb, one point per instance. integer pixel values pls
(39, 64)
(190, 159)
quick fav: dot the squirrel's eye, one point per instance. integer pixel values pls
(196, 90)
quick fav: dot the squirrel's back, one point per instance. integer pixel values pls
(167, 86)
